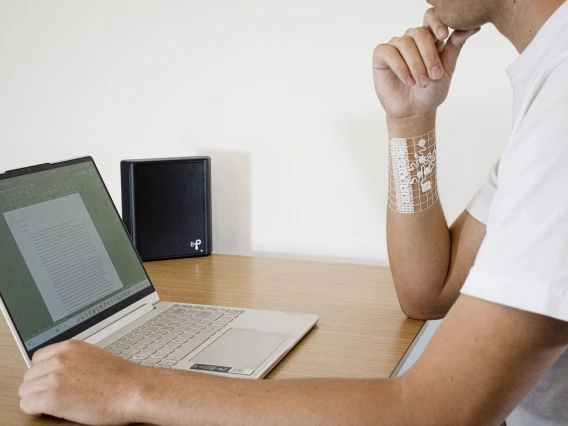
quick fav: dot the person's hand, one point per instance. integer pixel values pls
(412, 73)
(83, 383)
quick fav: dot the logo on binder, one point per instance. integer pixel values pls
(196, 244)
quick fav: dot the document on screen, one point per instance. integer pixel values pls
(64, 253)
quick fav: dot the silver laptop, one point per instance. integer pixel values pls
(68, 270)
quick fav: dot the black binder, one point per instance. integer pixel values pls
(166, 206)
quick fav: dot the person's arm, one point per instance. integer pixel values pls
(429, 262)
(482, 361)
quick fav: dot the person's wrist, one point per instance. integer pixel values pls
(138, 394)
(411, 126)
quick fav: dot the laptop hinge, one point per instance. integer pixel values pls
(117, 325)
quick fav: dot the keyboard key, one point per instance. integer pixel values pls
(215, 315)
(130, 342)
(150, 361)
(187, 336)
(209, 308)
(175, 332)
(222, 309)
(173, 345)
(155, 347)
(135, 361)
(207, 333)
(121, 346)
(140, 356)
(213, 328)
(130, 352)
(115, 351)
(162, 341)
(159, 355)
(236, 311)
(145, 341)
(206, 321)
(201, 314)
(148, 351)
(181, 340)
(166, 350)
(182, 327)
(168, 362)
(187, 348)
(198, 327)
(138, 346)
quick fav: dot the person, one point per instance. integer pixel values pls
(499, 272)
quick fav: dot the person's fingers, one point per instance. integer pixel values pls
(436, 26)
(39, 384)
(32, 404)
(428, 51)
(453, 47)
(388, 57)
(411, 55)
(45, 367)
(51, 350)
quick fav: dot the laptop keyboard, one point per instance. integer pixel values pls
(170, 336)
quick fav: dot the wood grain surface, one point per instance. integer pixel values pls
(362, 332)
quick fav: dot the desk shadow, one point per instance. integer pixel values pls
(231, 199)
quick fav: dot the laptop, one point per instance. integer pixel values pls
(416, 348)
(68, 270)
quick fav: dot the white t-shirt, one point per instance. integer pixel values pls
(523, 260)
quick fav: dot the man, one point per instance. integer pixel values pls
(505, 333)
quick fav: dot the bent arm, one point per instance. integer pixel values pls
(428, 260)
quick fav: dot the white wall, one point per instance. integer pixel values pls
(279, 93)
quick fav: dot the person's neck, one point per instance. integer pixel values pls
(520, 20)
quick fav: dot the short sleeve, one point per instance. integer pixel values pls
(480, 204)
(523, 260)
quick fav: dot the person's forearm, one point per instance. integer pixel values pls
(418, 243)
(185, 398)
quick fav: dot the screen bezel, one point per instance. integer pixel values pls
(96, 319)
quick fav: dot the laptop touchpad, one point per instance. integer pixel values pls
(241, 348)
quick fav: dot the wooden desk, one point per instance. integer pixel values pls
(361, 333)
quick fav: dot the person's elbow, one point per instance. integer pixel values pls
(424, 309)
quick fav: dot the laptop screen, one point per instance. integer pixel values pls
(66, 261)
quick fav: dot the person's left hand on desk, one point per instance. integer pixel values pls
(80, 382)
